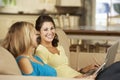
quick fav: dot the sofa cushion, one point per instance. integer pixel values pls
(8, 63)
(63, 40)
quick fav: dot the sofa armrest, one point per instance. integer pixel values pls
(16, 77)
(8, 64)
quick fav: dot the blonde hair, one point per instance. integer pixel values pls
(18, 38)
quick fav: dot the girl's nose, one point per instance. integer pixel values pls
(50, 31)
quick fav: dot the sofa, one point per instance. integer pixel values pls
(9, 69)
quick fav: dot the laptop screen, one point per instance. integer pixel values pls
(111, 54)
(110, 57)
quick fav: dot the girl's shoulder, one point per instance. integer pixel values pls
(40, 47)
(21, 58)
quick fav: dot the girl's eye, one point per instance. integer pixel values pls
(45, 29)
(52, 28)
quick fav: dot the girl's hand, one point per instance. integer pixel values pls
(92, 77)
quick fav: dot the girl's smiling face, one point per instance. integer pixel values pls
(47, 32)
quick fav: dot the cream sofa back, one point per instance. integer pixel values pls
(63, 40)
(8, 63)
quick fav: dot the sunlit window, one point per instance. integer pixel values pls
(105, 9)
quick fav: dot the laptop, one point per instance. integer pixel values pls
(110, 57)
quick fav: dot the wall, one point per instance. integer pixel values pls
(36, 5)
